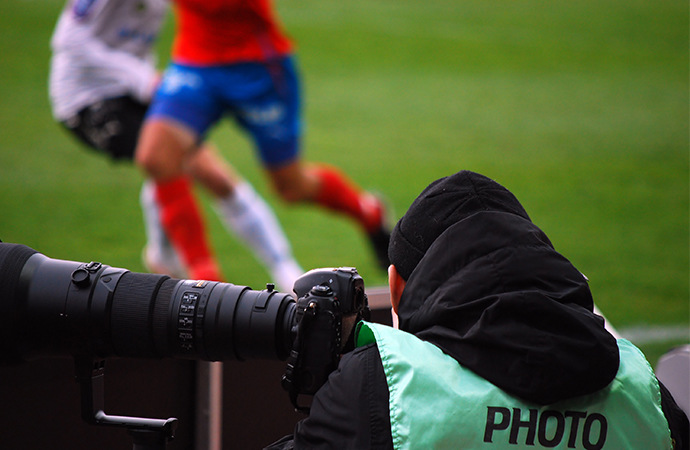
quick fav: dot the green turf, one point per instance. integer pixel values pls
(580, 108)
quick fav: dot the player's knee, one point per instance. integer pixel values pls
(295, 182)
(163, 147)
(146, 160)
(157, 164)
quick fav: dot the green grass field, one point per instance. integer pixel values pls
(580, 108)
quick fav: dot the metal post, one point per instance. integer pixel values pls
(209, 405)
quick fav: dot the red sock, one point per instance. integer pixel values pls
(338, 193)
(184, 227)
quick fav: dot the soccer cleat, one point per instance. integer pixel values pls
(379, 236)
(379, 241)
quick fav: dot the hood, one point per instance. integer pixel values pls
(492, 292)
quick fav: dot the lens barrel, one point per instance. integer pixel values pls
(54, 307)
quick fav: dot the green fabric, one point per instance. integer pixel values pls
(436, 403)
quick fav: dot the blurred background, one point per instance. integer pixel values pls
(579, 108)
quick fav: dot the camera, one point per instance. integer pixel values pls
(325, 297)
(92, 311)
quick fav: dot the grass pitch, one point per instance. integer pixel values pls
(579, 108)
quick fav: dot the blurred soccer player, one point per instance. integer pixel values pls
(230, 58)
(101, 82)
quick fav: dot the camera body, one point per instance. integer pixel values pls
(325, 297)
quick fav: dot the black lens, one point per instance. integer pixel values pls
(222, 321)
(56, 307)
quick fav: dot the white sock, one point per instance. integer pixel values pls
(249, 216)
(159, 255)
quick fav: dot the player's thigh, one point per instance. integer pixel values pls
(272, 115)
(187, 96)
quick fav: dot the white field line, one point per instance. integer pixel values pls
(641, 335)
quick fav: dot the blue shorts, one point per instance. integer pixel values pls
(263, 98)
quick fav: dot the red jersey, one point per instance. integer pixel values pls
(213, 32)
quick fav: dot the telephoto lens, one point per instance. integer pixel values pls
(55, 307)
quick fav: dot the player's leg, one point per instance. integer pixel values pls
(246, 213)
(182, 110)
(162, 149)
(273, 119)
(330, 188)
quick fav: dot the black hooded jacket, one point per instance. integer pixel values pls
(491, 292)
(498, 298)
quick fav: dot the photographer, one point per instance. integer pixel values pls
(500, 348)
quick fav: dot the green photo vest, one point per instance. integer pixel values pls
(437, 403)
